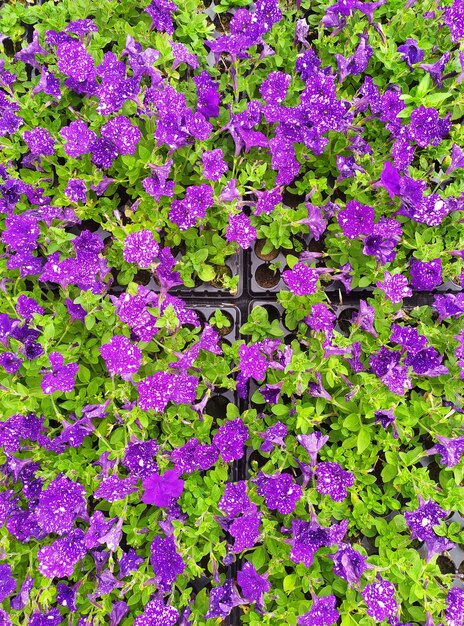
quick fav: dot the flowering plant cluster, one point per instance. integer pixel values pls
(302, 464)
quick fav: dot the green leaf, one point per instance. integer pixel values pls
(363, 440)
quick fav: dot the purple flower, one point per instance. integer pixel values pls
(66, 596)
(74, 60)
(76, 190)
(39, 141)
(274, 88)
(156, 391)
(10, 362)
(113, 488)
(332, 480)
(308, 537)
(386, 418)
(301, 280)
(423, 519)
(252, 363)
(322, 613)
(239, 229)
(214, 164)
(235, 499)
(165, 561)
(321, 318)
(450, 450)
(273, 436)
(356, 64)
(208, 95)
(348, 563)
(185, 213)
(81, 27)
(79, 138)
(230, 440)
(121, 357)
(385, 365)
(356, 219)
(183, 55)
(194, 456)
(253, 585)
(411, 53)
(279, 491)
(380, 599)
(426, 276)
(312, 443)
(245, 530)
(129, 562)
(59, 558)
(426, 362)
(156, 613)
(395, 287)
(61, 378)
(454, 19)
(59, 505)
(19, 602)
(139, 458)
(161, 490)
(436, 69)
(426, 128)
(122, 134)
(103, 152)
(140, 248)
(222, 600)
(51, 618)
(454, 612)
(7, 582)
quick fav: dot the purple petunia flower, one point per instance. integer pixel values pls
(121, 357)
(7, 582)
(253, 585)
(252, 363)
(10, 362)
(273, 436)
(322, 613)
(454, 19)
(348, 563)
(104, 152)
(39, 141)
(425, 127)
(74, 60)
(380, 599)
(426, 276)
(454, 612)
(165, 561)
(274, 88)
(120, 132)
(208, 95)
(321, 318)
(312, 443)
(185, 213)
(239, 229)
(332, 480)
(129, 562)
(76, 190)
(156, 613)
(214, 165)
(395, 287)
(423, 519)
(308, 537)
(450, 450)
(356, 219)
(156, 391)
(386, 418)
(62, 377)
(194, 456)
(50, 618)
(301, 280)
(79, 138)
(235, 499)
(245, 530)
(230, 440)
(59, 558)
(162, 489)
(140, 248)
(66, 596)
(411, 53)
(59, 505)
(279, 491)
(114, 488)
(222, 600)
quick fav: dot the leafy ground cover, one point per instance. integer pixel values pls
(231, 313)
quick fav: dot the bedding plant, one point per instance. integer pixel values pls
(146, 149)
